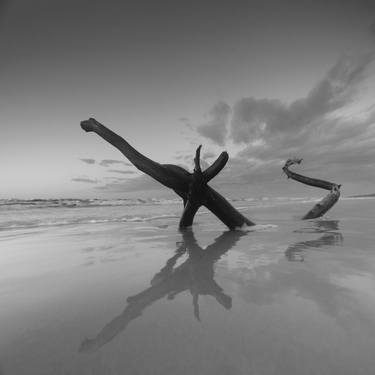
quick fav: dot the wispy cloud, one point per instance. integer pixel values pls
(108, 162)
(88, 161)
(85, 180)
(140, 183)
(121, 171)
(208, 155)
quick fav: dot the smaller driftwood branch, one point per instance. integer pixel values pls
(216, 167)
(327, 202)
(197, 160)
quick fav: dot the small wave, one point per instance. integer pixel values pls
(258, 228)
(26, 224)
(22, 204)
(357, 198)
(17, 204)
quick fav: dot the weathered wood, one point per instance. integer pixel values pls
(220, 207)
(327, 202)
(214, 169)
(187, 218)
(306, 180)
(171, 176)
(324, 205)
(191, 187)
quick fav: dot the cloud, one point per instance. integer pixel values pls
(88, 161)
(85, 180)
(264, 119)
(137, 184)
(208, 155)
(216, 128)
(179, 157)
(115, 179)
(332, 128)
(108, 162)
(121, 171)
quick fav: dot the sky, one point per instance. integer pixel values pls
(264, 80)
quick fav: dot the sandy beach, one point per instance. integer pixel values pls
(138, 297)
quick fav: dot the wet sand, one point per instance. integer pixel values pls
(141, 298)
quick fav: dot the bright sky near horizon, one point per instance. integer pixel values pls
(263, 79)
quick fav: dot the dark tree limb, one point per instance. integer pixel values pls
(214, 169)
(191, 187)
(197, 160)
(220, 207)
(173, 177)
(306, 180)
(188, 214)
(327, 202)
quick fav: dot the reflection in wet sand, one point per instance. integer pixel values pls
(331, 237)
(313, 282)
(195, 275)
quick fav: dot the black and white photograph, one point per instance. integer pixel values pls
(187, 187)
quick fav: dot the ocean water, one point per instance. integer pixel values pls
(112, 287)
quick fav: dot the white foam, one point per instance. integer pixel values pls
(258, 228)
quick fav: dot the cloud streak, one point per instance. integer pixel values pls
(121, 171)
(88, 161)
(85, 180)
(109, 162)
(140, 183)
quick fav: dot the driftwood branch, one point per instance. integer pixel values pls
(214, 169)
(327, 202)
(191, 187)
(172, 177)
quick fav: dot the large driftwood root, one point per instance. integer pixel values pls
(327, 202)
(193, 187)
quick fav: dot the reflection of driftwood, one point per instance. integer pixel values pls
(191, 187)
(327, 202)
(331, 237)
(195, 275)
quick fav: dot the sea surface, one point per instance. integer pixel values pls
(91, 286)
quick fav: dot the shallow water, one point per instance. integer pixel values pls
(92, 296)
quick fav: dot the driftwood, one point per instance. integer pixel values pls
(195, 275)
(193, 187)
(327, 202)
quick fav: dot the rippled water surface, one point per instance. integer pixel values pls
(102, 288)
